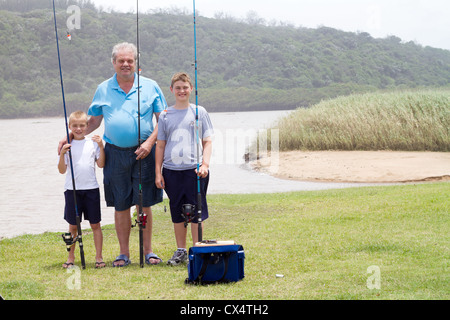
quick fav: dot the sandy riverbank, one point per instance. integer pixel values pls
(357, 166)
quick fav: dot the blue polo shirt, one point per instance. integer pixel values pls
(120, 110)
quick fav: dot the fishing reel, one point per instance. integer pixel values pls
(138, 221)
(188, 213)
(144, 220)
(69, 240)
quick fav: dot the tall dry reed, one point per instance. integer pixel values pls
(401, 120)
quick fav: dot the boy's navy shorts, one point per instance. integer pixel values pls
(88, 202)
(181, 188)
(121, 178)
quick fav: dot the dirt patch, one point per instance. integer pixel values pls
(357, 166)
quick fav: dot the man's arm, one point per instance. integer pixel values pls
(93, 124)
(62, 167)
(147, 145)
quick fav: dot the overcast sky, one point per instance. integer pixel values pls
(427, 22)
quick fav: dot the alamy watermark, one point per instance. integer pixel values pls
(374, 280)
(74, 20)
(238, 146)
(230, 146)
(74, 281)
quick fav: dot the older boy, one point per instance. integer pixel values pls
(176, 155)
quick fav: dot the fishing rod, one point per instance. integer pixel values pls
(199, 195)
(68, 239)
(142, 219)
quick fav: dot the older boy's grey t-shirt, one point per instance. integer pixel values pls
(177, 128)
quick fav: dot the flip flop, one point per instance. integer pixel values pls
(152, 256)
(67, 265)
(121, 257)
(99, 265)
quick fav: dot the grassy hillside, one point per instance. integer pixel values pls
(243, 65)
(401, 120)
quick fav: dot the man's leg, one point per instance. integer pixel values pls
(147, 232)
(123, 228)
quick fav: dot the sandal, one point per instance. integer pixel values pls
(99, 265)
(152, 256)
(124, 258)
(67, 265)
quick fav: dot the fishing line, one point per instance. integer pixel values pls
(79, 236)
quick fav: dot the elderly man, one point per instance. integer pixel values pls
(115, 101)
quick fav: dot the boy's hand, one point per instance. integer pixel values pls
(203, 171)
(98, 139)
(159, 181)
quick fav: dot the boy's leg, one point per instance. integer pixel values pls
(71, 258)
(91, 205)
(98, 241)
(180, 255)
(174, 190)
(192, 197)
(180, 234)
(194, 231)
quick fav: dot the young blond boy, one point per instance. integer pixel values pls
(85, 153)
(176, 160)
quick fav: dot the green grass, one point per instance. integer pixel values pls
(323, 242)
(410, 120)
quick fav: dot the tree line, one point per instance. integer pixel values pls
(242, 65)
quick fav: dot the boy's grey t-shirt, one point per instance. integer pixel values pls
(177, 128)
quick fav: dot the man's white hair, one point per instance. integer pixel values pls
(124, 46)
